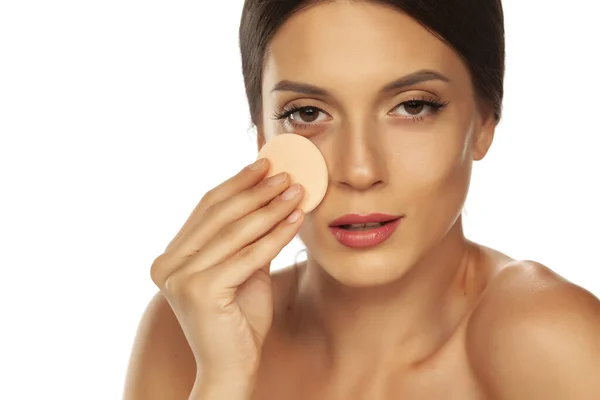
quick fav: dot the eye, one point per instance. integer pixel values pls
(414, 108)
(306, 115)
(301, 117)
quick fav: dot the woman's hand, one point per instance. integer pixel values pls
(215, 272)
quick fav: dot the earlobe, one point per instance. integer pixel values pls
(485, 136)
(483, 142)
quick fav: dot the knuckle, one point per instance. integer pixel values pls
(230, 231)
(273, 240)
(171, 285)
(212, 196)
(249, 253)
(276, 207)
(278, 238)
(189, 289)
(213, 210)
(157, 271)
(209, 198)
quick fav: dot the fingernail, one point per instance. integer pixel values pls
(291, 192)
(276, 179)
(293, 217)
(257, 164)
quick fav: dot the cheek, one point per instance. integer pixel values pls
(429, 164)
(315, 221)
(309, 233)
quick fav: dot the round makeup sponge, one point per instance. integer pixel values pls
(300, 158)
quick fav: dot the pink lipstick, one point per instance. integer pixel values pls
(359, 231)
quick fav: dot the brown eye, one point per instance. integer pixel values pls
(417, 110)
(302, 117)
(413, 107)
(307, 114)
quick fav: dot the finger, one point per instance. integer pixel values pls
(213, 220)
(226, 277)
(222, 214)
(247, 230)
(246, 178)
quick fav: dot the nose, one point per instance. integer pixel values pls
(357, 160)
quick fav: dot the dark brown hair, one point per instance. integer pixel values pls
(473, 28)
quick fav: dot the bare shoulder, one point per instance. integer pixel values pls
(535, 335)
(162, 365)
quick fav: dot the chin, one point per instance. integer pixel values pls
(376, 266)
(373, 272)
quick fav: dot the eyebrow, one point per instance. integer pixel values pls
(408, 80)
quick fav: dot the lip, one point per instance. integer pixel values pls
(368, 237)
(362, 219)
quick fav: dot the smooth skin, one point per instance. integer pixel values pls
(428, 314)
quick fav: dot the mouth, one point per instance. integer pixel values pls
(359, 231)
(362, 227)
(363, 222)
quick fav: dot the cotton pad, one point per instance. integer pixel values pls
(300, 158)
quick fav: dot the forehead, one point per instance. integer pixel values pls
(355, 44)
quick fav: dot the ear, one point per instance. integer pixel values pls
(485, 135)
(483, 142)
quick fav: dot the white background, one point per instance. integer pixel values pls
(116, 117)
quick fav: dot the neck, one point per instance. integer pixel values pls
(404, 320)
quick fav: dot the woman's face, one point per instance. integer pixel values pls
(404, 150)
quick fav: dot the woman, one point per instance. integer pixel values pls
(400, 97)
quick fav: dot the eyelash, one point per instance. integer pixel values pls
(284, 113)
